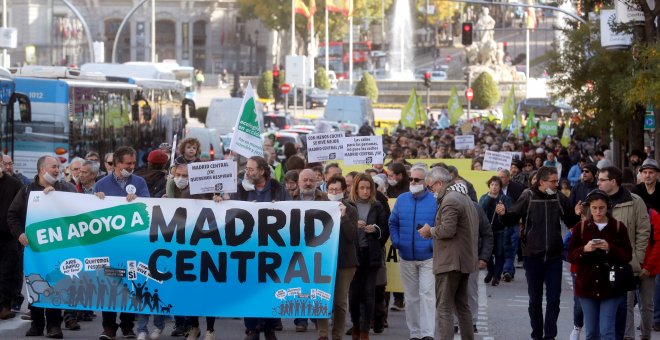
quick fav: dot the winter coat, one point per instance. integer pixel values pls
(488, 204)
(486, 240)
(348, 237)
(652, 255)
(631, 211)
(376, 240)
(9, 187)
(409, 212)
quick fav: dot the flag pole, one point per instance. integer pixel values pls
(312, 47)
(293, 27)
(327, 42)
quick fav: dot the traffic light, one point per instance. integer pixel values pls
(467, 34)
(276, 86)
(427, 79)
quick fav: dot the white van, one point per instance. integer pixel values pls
(222, 114)
(349, 109)
(210, 141)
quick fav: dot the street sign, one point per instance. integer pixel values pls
(649, 122)
(285, 88)
(469, 94)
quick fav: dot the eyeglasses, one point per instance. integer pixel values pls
(604, 179)
(108, 163)
(415, 180)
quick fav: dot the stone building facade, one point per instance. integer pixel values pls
(206, 34)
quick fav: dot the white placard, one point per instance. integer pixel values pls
(363, 150)
(464, 142)
(609, 38)
(323, 147)
(212, 177)
(496, 161)
(8, 37)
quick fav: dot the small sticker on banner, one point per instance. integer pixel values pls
(131, 189)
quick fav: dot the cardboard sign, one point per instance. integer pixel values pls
(464, 142)
(212, 177)
(363, 150)
(496, 161)
(323, 147)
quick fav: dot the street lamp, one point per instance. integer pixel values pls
(236, 89)
(256, 50)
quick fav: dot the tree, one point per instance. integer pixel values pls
(321, 79)
(265, 87)
(486, 92)
(367, 87)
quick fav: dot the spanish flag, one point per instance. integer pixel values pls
(343, 6)
(301, 8)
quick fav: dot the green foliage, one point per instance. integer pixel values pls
(200, 113)
(367, 87)
(265, 87)
(321, 79)
(486, 92)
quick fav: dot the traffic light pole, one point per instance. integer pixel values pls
(469, 102)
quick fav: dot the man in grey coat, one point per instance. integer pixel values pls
(455, 236)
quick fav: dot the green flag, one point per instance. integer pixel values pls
(509, 109)
(454, 107)
(412, 112)
(246, 140)
(566, 135)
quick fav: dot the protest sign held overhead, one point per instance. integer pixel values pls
(363, 150)
(257, 258)
(246, 140)
(323, 147)
(212, 177)
(496, 161)
(464, 142)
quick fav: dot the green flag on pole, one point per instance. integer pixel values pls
(566, 135)
(531, 132)
(509, 109)
(454, 107)
(246, 140)
(411, 114)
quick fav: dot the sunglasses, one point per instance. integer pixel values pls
(415, 180)
(108, 163)
(586, 171)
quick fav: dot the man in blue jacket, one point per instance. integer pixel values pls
(123, 183)
(416, 208)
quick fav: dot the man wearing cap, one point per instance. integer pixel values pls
(648, 190)
(585, 186)
(121, 182)
(155, 174)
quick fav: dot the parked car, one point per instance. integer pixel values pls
(349, 109)
(278, 121)
(438, 75)
(313, 98)
(543, 107)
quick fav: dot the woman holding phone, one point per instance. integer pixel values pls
(598, 242)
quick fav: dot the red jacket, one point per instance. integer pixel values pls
(652, 255)
(592, 278)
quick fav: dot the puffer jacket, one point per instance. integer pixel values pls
(409, 211)
(630, 209)
(652, 256)
(541, 214)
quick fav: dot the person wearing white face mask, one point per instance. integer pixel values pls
(47, 180)
(121, 183)
(542, 209)
(258, 186)
(346, 260)
(416, 208)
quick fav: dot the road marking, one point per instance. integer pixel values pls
(482, 313)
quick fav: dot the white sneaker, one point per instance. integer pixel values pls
(575, 334)
(193, 333)
(142, 336)
(155, 334)
(209, 335)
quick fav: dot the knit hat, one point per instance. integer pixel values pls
(604, 163)
(591, 167)
(157, 157)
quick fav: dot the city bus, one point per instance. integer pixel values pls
(338, 57)
(75, 112)
(184, 74)
(11, 102)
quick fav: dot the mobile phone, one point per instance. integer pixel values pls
(419, 226)
(596, 240)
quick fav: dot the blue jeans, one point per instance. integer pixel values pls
(578, 315)
(143, 320)
(600, 316)
(496, 262)
(511, 249)
(538, 272)
(656, 302)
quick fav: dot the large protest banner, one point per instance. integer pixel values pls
(363, 150)
(323, 147)
(174, 256)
